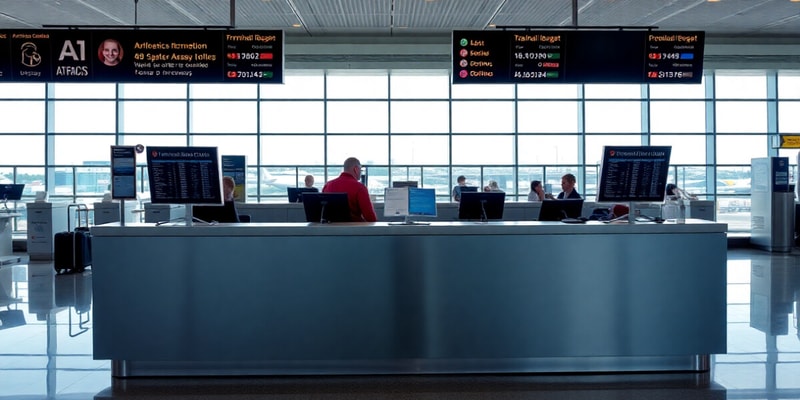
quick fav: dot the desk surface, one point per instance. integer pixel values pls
(384, 228)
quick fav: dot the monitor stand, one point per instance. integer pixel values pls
(407, 221)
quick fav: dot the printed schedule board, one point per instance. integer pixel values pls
(600, 56)
(154, 56)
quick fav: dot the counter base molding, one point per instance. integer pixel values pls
(288, 299)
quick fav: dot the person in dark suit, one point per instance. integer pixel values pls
(568, 188)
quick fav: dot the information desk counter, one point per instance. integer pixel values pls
(505, 297)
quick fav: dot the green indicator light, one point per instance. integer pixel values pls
(266, 74)
(553, 56)
(552, 74)
(464, 42)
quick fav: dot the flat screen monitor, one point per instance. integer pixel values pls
(402, 184)
(11, 191)
(295, 194)
(184, 175)
(421, 202)
(481, 205)
(326, 207)
(469, 189)
(556, 210)
(224, 213)
(633, 173)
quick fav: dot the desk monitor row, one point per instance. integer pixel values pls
(483, 206)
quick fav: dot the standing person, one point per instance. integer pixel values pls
(309, 181)
(462, 181)
(110, 52)
(568, 188)
(357, 194)
(537, 191)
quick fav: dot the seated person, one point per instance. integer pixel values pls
(493, 187)
(537, 191)
(224, 213)
(568, 188)
(361, 209)
(462, 181)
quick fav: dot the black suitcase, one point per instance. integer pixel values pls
(73, 248)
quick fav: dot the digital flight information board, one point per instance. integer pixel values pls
(577, 56)
(155, 56)
(633, 173)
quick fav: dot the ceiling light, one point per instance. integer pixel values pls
(296, 25)
(713, 1)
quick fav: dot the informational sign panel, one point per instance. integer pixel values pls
(236, 168)
(153, 56)
(184, 175)
(123, 172)
(633, 173)
(563, 56)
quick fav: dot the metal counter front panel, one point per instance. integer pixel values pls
(336, 299)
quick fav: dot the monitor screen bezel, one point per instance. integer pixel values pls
(11, 191)
(402, 184)
(556, 210)
(469, 207)
(214, 182)
(337, 208)
(471, 189)
(660, 186)
(296, 193)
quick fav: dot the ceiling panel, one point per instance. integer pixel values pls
(737, 18)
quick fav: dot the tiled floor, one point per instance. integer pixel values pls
(50, 355)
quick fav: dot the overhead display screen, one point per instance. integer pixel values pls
(156, 56)
(633, 173)
(599, 56)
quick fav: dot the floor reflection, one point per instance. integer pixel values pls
(46, 352)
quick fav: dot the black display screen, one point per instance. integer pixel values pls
(157, 56)
(633, 173)
(564, 56)
(184, 175)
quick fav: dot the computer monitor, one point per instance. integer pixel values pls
(11, 191)
(295, 194)
(409, 202)
(224, 213)
(633, 174)
(481, 205)
(401, 184)
(184, 175)
(556, 210)
(469, 189)
(326, 207)
(421, 202)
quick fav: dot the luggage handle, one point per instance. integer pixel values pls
(79, 209)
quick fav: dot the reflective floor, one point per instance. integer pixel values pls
(46, 352)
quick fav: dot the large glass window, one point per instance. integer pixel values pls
(405, 123)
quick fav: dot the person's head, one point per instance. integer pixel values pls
(111, 52)
(309, 181)
(671, 189)
(353, 167)
(462, 180)
(493, 185)
(568, 182)
(228, 185)
(536, 186)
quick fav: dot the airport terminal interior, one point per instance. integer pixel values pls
(375, 79)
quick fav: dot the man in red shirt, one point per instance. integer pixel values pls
(357, 194)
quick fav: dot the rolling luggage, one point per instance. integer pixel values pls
(73, 248)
